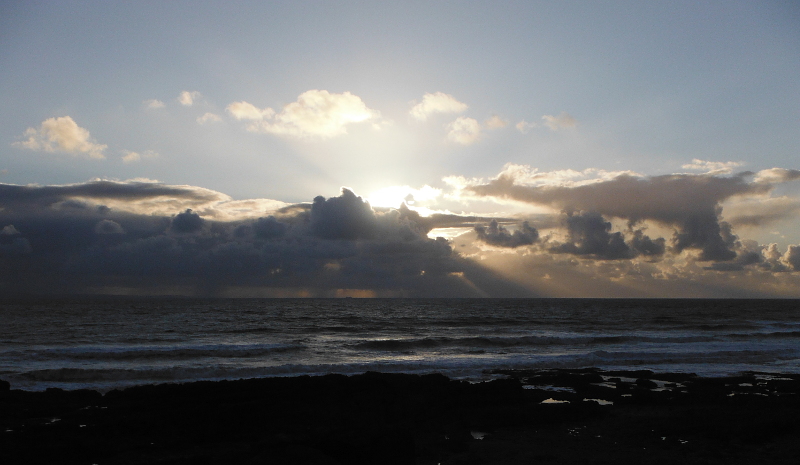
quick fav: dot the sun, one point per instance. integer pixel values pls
(395, 196)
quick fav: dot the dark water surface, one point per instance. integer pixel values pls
(108, 343)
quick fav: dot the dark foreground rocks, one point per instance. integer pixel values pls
(533, 417)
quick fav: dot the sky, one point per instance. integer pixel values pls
(400, 149)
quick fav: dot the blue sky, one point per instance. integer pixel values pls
(287, 101)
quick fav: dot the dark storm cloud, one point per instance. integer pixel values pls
(108, 227)
(499, 236)
(62, 244)
(590, 234)
(344, 217)
(689, 203)
(187, 222)
(646, 246)
(15, 197)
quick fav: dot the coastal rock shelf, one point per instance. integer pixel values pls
(544, 416)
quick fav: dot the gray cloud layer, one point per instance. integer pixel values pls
(97, 237)
(688, 203)
(64, 239)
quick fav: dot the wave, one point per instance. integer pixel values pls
(159, 352)
(390, 345)
(472, 368)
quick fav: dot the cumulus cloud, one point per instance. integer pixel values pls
(497, 235)
(144, 236)
(62, 135)
(316, 113)
(562, 121)
(590, 234)
(153, 104)
(344, 217)
(187, 222)
(208, 117)
(133, 157)
(688, 203)
(495, 122)
(248, 111)
(524, 126)
(464, 131)
(792, 257)
(712, 167)
(72, 244)
(187, 98)
(438, 102)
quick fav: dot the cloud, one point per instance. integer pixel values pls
(689, 203)
(153, 104)
(524, 126)
(792, 257)
(135, 197)
(187, 98)
(208, 117)
(495, 122)
(344, 217)
(62, 135)
(590, 234)
(108, 227)
(316, 113)
(187, 222)
(562, 121)
(74, 245)
(499, 236)
(146, 237)
(761, 211)
(133, 157)
(438, 102)
(712, 167)
(244, 110)
(776, 175)
(464, 131)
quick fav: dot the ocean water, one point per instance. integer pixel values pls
(111, 343)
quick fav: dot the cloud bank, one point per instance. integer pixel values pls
(602, 234)
(63, 239)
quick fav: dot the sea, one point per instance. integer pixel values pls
(112, 343)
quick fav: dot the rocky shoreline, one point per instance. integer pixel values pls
(541, 416)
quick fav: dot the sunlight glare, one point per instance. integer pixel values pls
(394, 196)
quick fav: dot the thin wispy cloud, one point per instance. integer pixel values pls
(464, 131)
(208, 117)
(495, 122)
(154, 104)
(135, 157)
(562, 121)
(188, 98)
(712, 167)
(524, 126)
